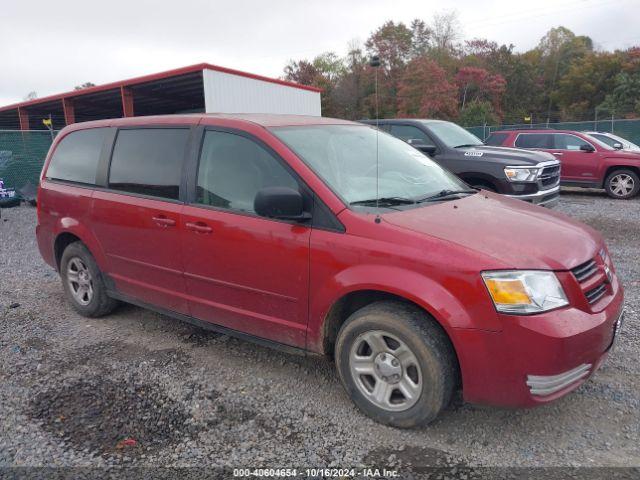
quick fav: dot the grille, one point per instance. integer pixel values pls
(550, 176)
(596, 294)
(584, 271)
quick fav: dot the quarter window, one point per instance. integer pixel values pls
(76, 157)
(148, 161)
(232, 170)
(534, 140)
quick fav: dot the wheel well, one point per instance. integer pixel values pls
(610, 170)
(63, 241)
(343, 308)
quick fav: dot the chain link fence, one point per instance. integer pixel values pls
(629, 129)
(22, 154)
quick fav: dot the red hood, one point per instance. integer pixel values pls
(516, 233)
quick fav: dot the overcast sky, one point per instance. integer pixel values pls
(49, 47)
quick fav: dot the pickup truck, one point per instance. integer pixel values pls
(526, 175)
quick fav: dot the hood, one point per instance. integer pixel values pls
(625, 154)
(517, 234)
(507, 156)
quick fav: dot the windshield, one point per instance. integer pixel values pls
(611, 139)
(344, 156)
(453, 135)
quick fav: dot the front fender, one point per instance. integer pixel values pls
(435, 297)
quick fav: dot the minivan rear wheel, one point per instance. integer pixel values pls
(83, 282)
(396, 363)
(622, 184)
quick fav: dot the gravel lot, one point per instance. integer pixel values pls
(137, 388)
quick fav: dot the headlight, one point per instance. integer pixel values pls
(517, 174)
(525, 291)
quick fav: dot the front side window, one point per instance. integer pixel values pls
(452, 135)
(148, 161)
(569, 142)
(534, 140)
(409, 132)
(232, 170)
(344, 156)
(76, 157)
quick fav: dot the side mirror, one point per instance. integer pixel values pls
(422, 146)
(618, 146)
(280, 202)
(586, 147)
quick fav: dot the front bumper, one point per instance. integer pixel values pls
(545, 198)
(536, 359)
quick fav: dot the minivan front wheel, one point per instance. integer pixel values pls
(83, 282)
(622, 184)
(396, 363)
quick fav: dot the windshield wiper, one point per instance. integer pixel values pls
(444, 195)
(385, 201)
(465, 145)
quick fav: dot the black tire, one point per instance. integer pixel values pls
(100, 303)
(428, 342)
(630, 176)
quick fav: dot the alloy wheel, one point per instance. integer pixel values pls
(79, 281)
(622, 184)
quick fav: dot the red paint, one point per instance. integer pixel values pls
(23, 116)
(279, 280)
(590, 168)
(127, 101)
(69, 111)
(153, 77)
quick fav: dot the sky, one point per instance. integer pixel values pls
(49, 47)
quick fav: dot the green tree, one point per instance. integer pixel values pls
(478, 112)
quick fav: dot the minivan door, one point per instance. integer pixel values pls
(243, 271)
(137, 219)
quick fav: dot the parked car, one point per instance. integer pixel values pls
(614, 141)
(586, 162)
(329, 237)
(530, 176)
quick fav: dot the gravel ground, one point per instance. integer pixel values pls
(137, 388)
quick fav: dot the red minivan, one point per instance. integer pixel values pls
(330, 237)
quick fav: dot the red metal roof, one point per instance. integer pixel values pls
(153, 77)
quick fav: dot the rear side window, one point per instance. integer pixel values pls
(496, 139)
(76, 157)
(148, 161)
(233, 169)
(534, 140)
(568, 142)
(408, 132)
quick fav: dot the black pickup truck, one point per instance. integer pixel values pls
(527, 175)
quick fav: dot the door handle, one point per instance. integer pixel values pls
(163, 221)
(199, 227)
(557, 154)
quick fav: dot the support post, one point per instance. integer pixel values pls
(69, 111)
(23, 115)
(127, 101)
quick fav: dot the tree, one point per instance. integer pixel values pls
(478, 112)
(84, 85)
(476, 84)
(446, 32)
(425, 91)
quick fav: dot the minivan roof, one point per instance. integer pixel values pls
(262, 119)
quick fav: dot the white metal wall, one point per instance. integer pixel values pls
(227, 93)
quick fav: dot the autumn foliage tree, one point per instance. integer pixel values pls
(424, 91)
(426, 72)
